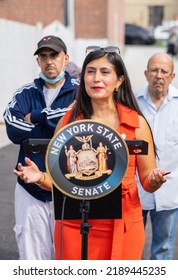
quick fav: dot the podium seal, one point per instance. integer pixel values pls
(86, 159)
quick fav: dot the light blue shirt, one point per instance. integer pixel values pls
(164, 125)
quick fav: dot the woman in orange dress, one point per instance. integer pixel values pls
(105, 95)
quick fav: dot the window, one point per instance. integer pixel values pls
(156, 15)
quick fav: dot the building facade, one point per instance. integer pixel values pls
(150, 13)
(88, 18)
(91, 18)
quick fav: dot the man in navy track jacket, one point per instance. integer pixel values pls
(34, 112)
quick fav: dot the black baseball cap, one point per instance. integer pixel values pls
(52, 42)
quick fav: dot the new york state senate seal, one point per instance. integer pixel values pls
(86, 159)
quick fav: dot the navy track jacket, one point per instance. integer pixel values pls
(30, 99)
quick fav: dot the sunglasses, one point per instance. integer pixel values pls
(108, 49)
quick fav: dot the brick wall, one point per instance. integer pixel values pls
(93, 19)
(31, 11)
(90, 18)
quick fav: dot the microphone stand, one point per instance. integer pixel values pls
(84, 228)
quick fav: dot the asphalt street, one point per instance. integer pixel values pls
(8, 158)
(135, 59)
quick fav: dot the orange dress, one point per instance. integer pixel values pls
(110, 239)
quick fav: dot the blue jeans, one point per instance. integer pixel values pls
(164, 225)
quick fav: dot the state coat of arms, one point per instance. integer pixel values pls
(87, 163)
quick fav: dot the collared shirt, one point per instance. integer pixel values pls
(164, 125)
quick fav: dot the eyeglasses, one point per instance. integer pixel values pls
(154, 72)
(52, 56)
(108, 49)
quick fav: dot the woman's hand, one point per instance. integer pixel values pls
(29, 173)
(156, 178)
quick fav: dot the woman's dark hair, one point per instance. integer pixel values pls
(124, 95)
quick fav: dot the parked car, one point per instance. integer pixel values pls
(137, 35)
(161, 33)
